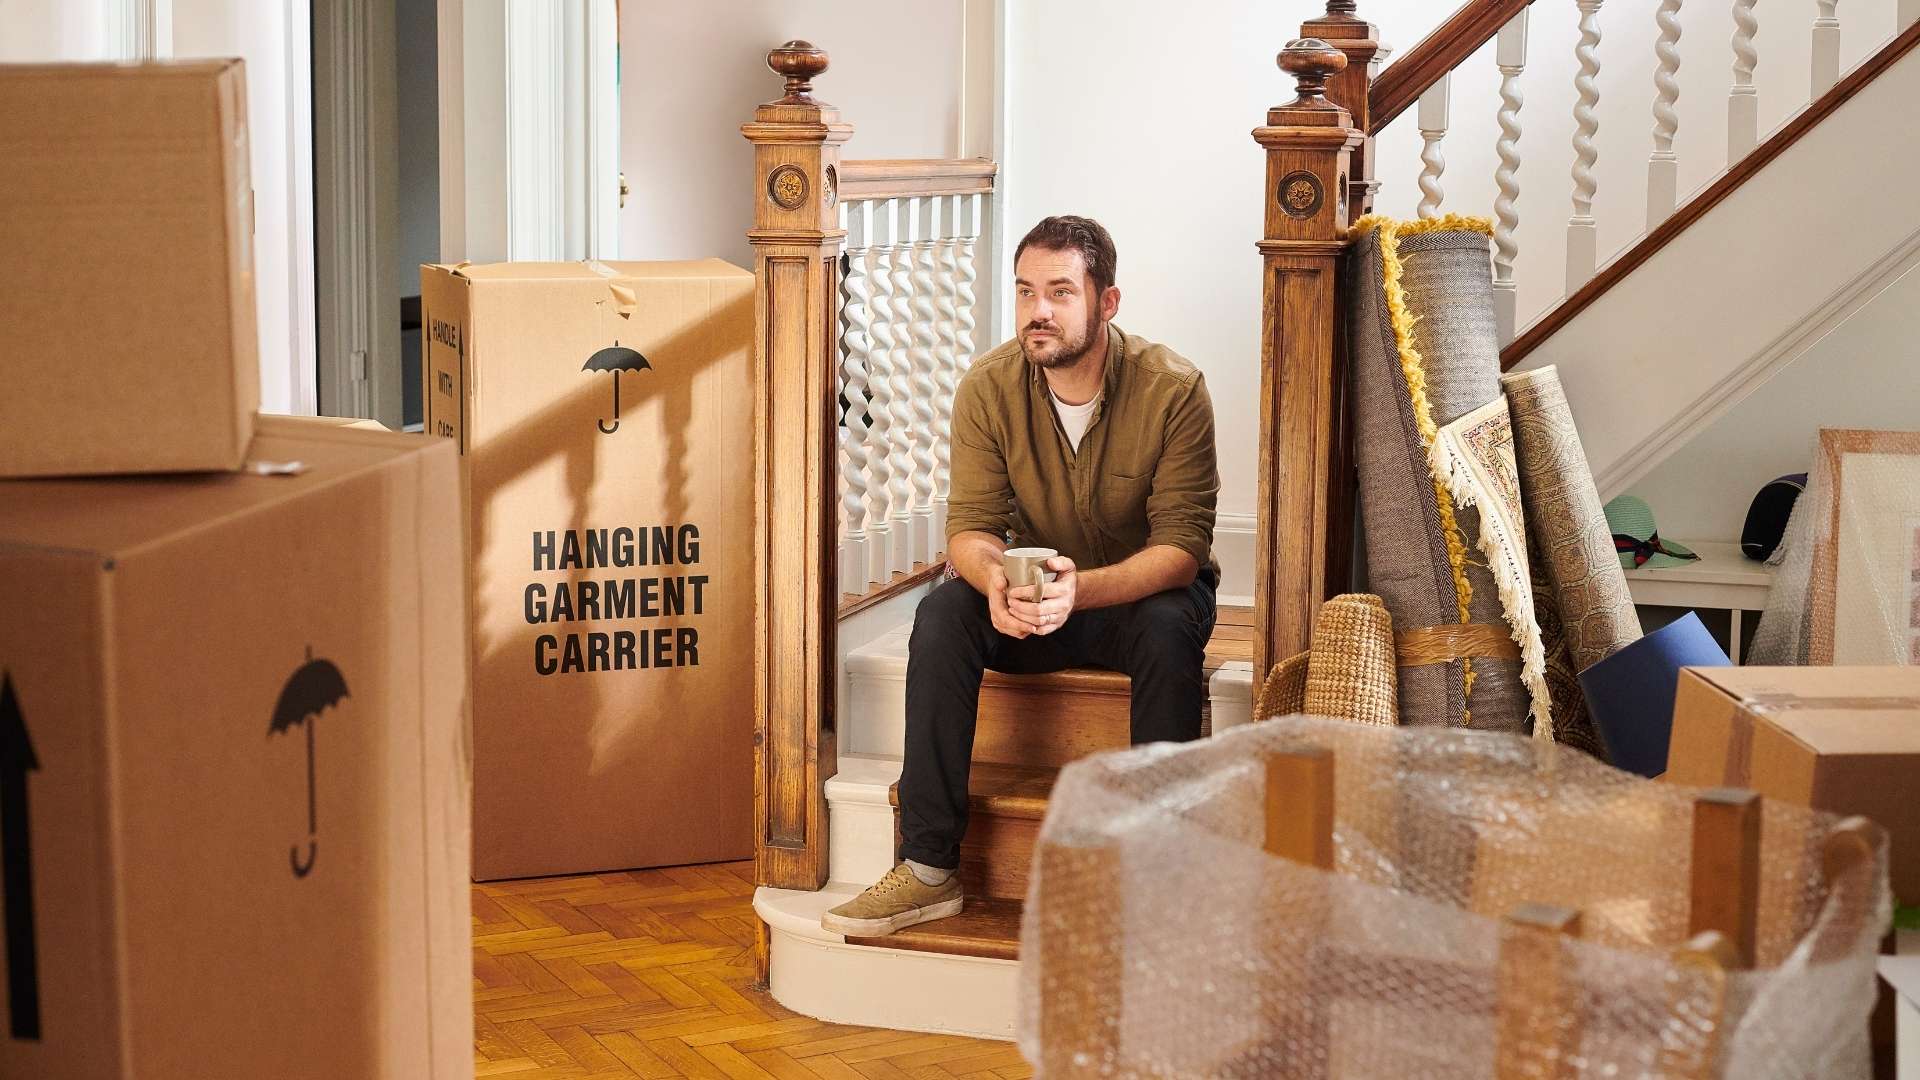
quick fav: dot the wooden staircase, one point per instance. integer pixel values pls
(1029, 728)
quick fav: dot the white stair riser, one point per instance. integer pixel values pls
(860, 840)
(893, 988)
(818, 974)
(876, 714)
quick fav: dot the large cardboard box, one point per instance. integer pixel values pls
(233, 769)
(606, 412)
(127, 332)
(1843, 739)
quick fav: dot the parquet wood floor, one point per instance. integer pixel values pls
(650, 973)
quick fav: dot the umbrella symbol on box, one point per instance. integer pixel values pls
(311, 690)
(615, 359)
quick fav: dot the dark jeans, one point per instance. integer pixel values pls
(1160, 642)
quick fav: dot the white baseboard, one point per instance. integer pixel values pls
(1233, 547)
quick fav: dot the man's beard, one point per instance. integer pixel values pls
(1071, 350)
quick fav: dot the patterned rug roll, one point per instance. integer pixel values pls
(1565, 521)
(1425, 353)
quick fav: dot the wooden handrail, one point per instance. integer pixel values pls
(895, 178)
(1438, 53)
(1696, 208)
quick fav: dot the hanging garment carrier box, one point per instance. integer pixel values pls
(606, 415)
(233, 769)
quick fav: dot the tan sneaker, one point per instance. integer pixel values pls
(895, 902)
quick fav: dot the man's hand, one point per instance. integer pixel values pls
(997, 603)
(1050, 612)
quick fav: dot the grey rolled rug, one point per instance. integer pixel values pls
(1425, 352)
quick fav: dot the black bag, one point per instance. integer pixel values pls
(1767, 517)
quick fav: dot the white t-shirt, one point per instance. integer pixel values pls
(1075, 418)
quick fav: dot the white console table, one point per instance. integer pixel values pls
(1721, 579)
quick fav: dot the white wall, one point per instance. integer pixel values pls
(1141, 120)
(691, 74)
(48, 30)
(1865, 374)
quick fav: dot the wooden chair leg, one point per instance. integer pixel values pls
(1300, 807)
(1538, 1025)
(1080, 1009)
(1690, 1047)
(1726, 869)
(1300, 828)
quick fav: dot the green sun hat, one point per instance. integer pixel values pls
(1630, 520)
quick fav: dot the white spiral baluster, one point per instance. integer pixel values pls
(1743, 101)
(905, 439)
(1826, 47)
(1582, 237)
(963, 284)
(858, 504)
(947, 361)
(1433, 128)
(1511, 54)
(886, 387)
(1663, 168)
(926, 386)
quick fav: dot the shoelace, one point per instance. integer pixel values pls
(894, 881)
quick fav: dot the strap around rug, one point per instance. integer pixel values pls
(1454, 641)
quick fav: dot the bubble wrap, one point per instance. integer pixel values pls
(1847, 590)
(1161, 940)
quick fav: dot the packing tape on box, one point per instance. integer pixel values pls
(624, 298)
(1737, 769)
(1772, 703)
(1425, 645)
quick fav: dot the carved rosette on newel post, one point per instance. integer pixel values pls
(1305, 497)
(796, 242)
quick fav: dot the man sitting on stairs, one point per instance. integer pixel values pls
(1099, 444)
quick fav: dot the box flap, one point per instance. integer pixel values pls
(198, 67)
(117, 515)
(681, 270)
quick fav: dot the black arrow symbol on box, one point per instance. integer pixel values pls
(16, 867)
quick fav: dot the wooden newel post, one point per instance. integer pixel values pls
(1351, 89)
(1305, 496)
(796, 244)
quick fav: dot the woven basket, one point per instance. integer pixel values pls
(1349, 672)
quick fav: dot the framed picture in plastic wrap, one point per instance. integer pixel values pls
(1865, 595)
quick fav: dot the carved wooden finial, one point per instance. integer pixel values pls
(799, 61)
(1312, 62)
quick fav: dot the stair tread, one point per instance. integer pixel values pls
(1015, 791)
(987, 927)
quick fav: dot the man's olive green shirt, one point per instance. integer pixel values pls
(1145, 473)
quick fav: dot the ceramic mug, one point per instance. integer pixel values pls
(1028, 566)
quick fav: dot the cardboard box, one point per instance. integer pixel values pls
(232, 739)
(606, 411)
(127, 334)
(1846, 740)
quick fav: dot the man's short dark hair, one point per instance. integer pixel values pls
(1071, 232)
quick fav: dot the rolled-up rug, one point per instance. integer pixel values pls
(1425, 353)
(1347, 671)
(1566, 522)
